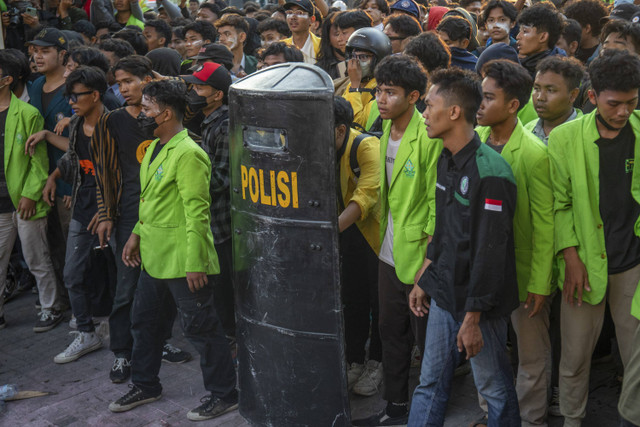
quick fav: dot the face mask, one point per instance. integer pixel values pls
(147, 124)
(195, 101)
(365, 66)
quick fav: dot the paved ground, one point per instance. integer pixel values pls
(82, 391)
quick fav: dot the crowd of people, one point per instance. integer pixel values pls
(488, 212)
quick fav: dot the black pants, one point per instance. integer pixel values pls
(399, 330)
(200, 325)
(359, 296)
(223, 290)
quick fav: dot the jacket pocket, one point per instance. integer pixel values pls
(414, 233)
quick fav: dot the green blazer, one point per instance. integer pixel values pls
(635, 304)
(575, 168)
(533, 217)
(174, 224)
(410, 195)
(26, 175)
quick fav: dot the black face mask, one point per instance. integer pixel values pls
(196, 102)
(147, 124)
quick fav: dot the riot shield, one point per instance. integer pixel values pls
(291, 364)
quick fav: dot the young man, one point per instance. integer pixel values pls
(471, 270)
(407, 186)
(589, 14)
(348, 22)
(279, 53)
(400, 27)
(210, 87)
(596, 220)
(506, 88)
(378, 10)
(115, 50)
(300, 16)
(555, 89)
(455, 32)
(359, 223)
(23, 213)
(272, 31)
(540, 29)
(118, 146)
(157, 33)
(500, 18)
(176, 266)
(209, 12)
(430, 50)
(619, 34)
(196, 35)
(85, 88)
(233, 30)
(569, 41)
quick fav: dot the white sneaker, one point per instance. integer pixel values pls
(369, 382)
(85, 342)
(353, 373)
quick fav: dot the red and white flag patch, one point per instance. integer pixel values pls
(493, 205)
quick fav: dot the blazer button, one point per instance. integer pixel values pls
(599, 225)
(603, 256)
(142, 199)
(141, 223)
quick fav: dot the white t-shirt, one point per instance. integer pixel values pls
(308, 51)
(386, 249)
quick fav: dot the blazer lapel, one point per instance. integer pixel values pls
(10, 130)
(405, 149)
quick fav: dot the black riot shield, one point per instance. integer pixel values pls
(291, 364)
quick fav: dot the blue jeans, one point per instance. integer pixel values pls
(491, 371)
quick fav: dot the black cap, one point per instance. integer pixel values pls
(624, 11)
(216, 51)
(51, 37)
(304, 4)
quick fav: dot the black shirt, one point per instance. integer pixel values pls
(618, 208)
(47, 97)
(473, 257)
(6, 205)
(583, 55)
(155, 153)
(498, 148)
(86, 205)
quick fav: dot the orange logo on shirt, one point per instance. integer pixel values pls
(142, 150)
(87, 167)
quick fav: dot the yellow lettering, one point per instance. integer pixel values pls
(253, 185)
(244, 177)
(264, 199)
(285, 196)
(294, 189)
(272, 180)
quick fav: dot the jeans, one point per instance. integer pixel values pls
(223, 290)
(200, 325)
(491, 371)
(77, 267)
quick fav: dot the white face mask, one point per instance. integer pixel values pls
(365, 66)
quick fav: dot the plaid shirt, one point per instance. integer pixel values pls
(215, 142)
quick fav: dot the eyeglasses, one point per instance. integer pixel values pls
(73, 97)
(298, 13)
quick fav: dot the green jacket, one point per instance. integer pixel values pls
(528, 112)
(410, 195)
(533, 218)
(575, 168)
(26, 175)
(175, 236)
(635, 304)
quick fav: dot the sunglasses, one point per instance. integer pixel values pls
(73, 97)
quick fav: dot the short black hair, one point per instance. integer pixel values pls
(587, 12)
(545, 19)
(459, 87)
(90, 56)
(383, 6)
(514, 80)
(84, 27)
(465, 3)
(572, 31)
(355, 19)
(25, 70)
(135, 38)
(430, 50)
(112, 26)
(615, 70)
(625, 29)
(139, 66)
(291, 53)
(92, 77)
(456, 27)
(508, 9)
(120, 48)
(212, 7)
(170, 94)
(571, 70)
(178, 32)
(206, 30)
(403, 24)
(272, 24)
(10, 66)
(162, 28)
(404, 71)
(342, 112)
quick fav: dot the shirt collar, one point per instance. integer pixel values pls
(216, 113)
(463, 156)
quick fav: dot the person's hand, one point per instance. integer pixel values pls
(26, 208)
(49, 191)
(538, 302)
(93, 225)
(62, 125)
(6, 19)
(66, 201)
(103, 230)
(470, 336)
(418, 301)
(131, 251)
(420, 272)
(354, 71)
(158, 76)
(33, 140)
(31, 21)
(196, 281)
(63, 8)
(576, 278)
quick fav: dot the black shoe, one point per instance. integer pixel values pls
(47, 320)
(212, 407)
(171, 354)
(3, 324)
(382, 419)
(135, 397)
(38, 305)
(120, 371)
